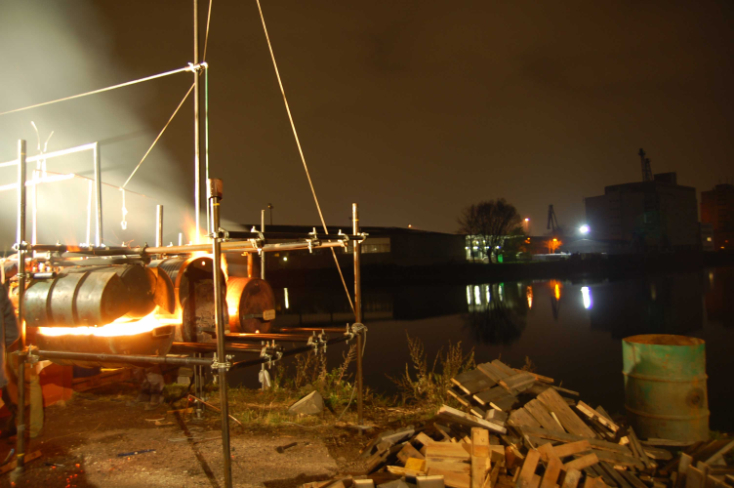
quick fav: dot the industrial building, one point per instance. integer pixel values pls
(717, 210)
(654, 214)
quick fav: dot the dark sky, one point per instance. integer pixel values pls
(414, 109)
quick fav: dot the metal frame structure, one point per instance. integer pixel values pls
(268, 351)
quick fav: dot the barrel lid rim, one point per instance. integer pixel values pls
(669, 340)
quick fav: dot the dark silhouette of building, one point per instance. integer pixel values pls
(657, 214)
(717, 209)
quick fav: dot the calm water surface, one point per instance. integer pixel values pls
(570, 331)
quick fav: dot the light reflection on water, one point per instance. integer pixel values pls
(570, 331)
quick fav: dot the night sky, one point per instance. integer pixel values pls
(414, 109)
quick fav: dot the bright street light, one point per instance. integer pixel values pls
(584, 229)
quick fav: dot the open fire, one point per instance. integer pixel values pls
(121, 327)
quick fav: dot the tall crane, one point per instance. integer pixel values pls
(552, 221)
(646, 170)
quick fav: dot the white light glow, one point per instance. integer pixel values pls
(584, 229)
(586, 297)
(287, 302)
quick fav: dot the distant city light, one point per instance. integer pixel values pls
(586, 297)
(285, 258)
(584, 229)
(527, 219)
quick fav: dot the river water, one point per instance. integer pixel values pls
(571, 331)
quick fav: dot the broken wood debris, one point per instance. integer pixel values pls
(517, 429)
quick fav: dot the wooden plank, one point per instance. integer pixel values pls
(657, 453)
(720, 453)
(492, 395)
(528, 469)
(557, 436)
(572, 478)
(478, 412)
(694, 478)
(566, 391)
(614, 474)
(505, 403)
(535, 482)
(493, 373)
(667, 442)
(619, 459)
(570, 421)
(496, 416)
(506, 370)
(538, 377)
(472, 382)
(447, 466)
(639, 451)
(632, 479)
(519, 382)
(424, 439)
(467, 419)
(582, 462)
(522, 418)
(479, 456)
(593, 414)
(416, 464)
(608, 480)
(448, 450)
(402, 471)
(542, 415)
(451, 476)
(408, 451)
(553, 467)
(435, 481)
(31, 456)
(463, 399)
(565, 450)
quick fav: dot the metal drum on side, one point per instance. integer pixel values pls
(665, 386)
(248, 300)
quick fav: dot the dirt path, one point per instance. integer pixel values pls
(82, 443)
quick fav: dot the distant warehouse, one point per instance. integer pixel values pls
(649, 215)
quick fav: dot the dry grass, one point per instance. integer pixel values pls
(427, 387)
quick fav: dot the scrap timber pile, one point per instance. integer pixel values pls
(519, 430)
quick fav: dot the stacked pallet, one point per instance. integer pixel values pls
(519, 430)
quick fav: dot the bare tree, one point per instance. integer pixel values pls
(492, 221)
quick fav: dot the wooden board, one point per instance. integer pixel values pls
(614, 474)
(570, 421)
(460, 417)
(632, 479)
(638, 451)
(415, 464)
(543, 416)
(505, 403)
(565, 450)
(553, 466)
(619, 459)
(462, 399)
(519, 382)
(593, 414)
(479, 456)
(493, 373)
(522, 418)
(695, 478)
(506, 370)
(408, 451)
(424, 439)
(582, 462)
(473, 381)
(448, 450)
(491, 395)
(557, 436)
(528, 469)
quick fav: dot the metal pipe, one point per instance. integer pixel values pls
(98, 192)
(159, 225)
(262, 255)
(20, 442)
(358, 309)
(214, 187)
(235, 337)
(335, 330)
(290, 235)
(121, 358)
(192, 347)
(239, 246)
(54, 154)
(197, 162)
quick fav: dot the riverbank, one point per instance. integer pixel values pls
(576, 267)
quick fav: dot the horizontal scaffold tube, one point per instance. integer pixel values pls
(121, 358)
(189, 347)
(236, 337)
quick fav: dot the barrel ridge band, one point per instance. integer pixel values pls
(705, 413)
(661, 379)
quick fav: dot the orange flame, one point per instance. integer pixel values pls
(120, 327)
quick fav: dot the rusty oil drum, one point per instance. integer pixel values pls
(665, 386)
(248, 299)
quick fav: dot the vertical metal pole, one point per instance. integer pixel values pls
(206, 136)
(358, 308)
(20, 440)
(98, 192)
(262, 254)
(197, 162)
(214, 190)
(158, 225)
